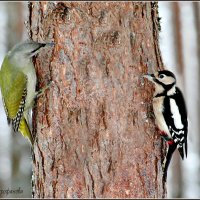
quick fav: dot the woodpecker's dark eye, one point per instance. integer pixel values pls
(161, 76)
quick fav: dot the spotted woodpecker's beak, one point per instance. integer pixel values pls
(150, 77)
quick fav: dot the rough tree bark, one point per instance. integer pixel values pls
(95, 134)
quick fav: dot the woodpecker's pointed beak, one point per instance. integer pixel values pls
(150, 77)
(50, 44)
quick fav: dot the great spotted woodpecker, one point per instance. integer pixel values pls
(170, 114)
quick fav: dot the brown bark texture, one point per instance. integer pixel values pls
(95, 134)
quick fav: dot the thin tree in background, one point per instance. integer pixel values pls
(95, 134)
(197, 25)
(177, 178)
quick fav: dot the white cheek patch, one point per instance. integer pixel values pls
(167, 80)
(175, 114)
(158, 89)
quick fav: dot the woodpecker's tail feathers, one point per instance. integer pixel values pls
(186, 148)
(180, 149)
(167, 159)
(25, 131)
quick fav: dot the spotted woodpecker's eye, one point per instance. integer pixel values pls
(161, 76)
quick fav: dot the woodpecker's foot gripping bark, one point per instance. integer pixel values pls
(42, 90)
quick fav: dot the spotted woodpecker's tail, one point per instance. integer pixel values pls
(166, 162)
(186, 148)
(181, 150)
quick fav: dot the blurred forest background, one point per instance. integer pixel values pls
(180, 48)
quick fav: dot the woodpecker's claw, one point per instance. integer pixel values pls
(41, 91)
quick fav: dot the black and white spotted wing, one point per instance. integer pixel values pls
(175, 115)
(17, 119)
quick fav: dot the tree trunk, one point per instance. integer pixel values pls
(95, 132)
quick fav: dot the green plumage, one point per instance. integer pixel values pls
(13, 82)
(18, 82)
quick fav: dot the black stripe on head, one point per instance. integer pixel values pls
(35, 51)
(167, 73)
(40, 45)
(166, 87)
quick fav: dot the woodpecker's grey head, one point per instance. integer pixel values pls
(22, 53)
(25, 49)
(164, 81)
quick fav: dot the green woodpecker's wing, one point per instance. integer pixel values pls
(13, 84)
(14, 90)
(8, 119)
